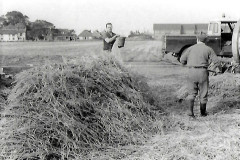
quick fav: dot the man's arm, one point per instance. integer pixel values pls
(213, 57)
(108, 40)
(183, 58)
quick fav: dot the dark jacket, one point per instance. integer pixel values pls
(107, 46)
(198, 55)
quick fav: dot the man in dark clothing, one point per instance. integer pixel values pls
(108, 38)
(197, 58)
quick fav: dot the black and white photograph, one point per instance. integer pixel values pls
(119, 80)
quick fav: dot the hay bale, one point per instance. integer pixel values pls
(63, 110)
(225, 85)
(224, 92)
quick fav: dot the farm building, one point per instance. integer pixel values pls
(63, 35)
(13, 33)
(85, 35)
(162, 29)
(188, 29)
(201, 27)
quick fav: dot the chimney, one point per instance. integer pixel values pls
(223, 15)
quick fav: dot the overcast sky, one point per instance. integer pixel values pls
(125, 15)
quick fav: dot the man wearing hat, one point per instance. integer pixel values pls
(197, 59)
(109, 38)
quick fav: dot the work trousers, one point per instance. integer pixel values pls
(198, 81)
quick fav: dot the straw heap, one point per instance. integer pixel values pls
(63, 110)
(224, 87)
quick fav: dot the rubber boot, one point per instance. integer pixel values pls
(191, 105)
(203, 109)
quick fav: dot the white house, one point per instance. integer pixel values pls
(13, 33)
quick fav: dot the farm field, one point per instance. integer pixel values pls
(22, 53)
(178, 137)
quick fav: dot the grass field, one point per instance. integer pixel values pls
(22, 53)
(213, 137)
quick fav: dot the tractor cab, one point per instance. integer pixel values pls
(220, 36)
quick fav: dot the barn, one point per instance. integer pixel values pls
(188, 29)
(162, 29)
(201, 27)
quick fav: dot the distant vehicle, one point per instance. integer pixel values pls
(219, 39)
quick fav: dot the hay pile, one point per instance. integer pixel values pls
(4, 91)
(63, 110)
(3, 96)
(224, 89)
(225, 92)
(224, 84)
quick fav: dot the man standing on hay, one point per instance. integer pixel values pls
(109, 38)
(197, 58)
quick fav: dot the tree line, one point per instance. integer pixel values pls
(40, 29)
(37, 29)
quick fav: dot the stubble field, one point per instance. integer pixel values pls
(174, 135)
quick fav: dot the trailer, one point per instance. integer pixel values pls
(220, 37)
